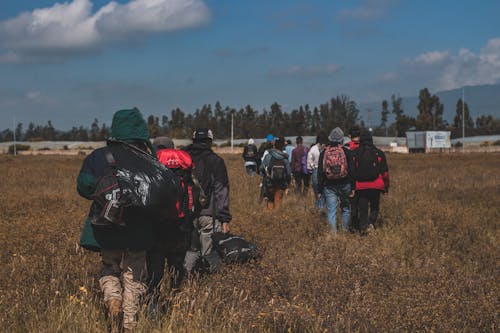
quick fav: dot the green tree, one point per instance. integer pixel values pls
(94, 130)
(430, 112)
(384, 114)
(458, 121)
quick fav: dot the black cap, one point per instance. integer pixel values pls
(202, 134)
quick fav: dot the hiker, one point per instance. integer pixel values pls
(215, 216)
(372, 178)
(354, 133)
(288, 149)
(171, 236)
(298, 165)
(250, 156)
(264, 147)
(123, 248)
(276, 172)
(336, 178)
(312, 166)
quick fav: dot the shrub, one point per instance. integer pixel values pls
(18, 148)
(458, 144)
(496, 143)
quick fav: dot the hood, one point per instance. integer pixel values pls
(129, 126)
(277, 154)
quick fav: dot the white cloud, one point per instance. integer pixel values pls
(468, 68)
(311, 71)
(71, 28)
(432, 58)
(367, 10)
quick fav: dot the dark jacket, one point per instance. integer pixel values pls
(137, 234)
(129, 126)
(324, 181)
(211, 171)
(382, 181)
(250, 153)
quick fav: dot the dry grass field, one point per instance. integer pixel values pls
(434, 265)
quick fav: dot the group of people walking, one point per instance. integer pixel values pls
(350, 176)
(136, 245)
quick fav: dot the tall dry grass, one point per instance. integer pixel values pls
(433, 266)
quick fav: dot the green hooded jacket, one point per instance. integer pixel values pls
(129, 126)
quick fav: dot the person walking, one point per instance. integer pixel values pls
(215, 216)
(372, 179)
(171, 237)
(123, 248)
(276, 174)
(299, 167)
(312, 167)
(354, 134)
(336, 178)
(251, 156)
(289, 149)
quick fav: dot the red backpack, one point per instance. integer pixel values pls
(335, 163)
(191, 196)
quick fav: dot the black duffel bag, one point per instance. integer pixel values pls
(234, 249)
(134, 179)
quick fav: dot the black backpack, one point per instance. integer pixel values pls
(276, 169)
(367, 165)
(250, 153)
(234, 249)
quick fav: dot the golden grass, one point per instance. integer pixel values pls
(434, 266)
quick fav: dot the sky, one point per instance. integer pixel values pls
(75, 60)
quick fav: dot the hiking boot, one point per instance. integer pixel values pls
(114, 315)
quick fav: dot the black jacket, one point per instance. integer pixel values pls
(250, 153)
(211, 171)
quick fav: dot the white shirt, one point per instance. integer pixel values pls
(313, 157)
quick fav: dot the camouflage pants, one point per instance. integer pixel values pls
(204, 228)
(122, 278)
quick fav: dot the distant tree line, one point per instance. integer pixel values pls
(248, 122)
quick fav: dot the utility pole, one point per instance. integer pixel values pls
(369, 122)
(232, 130)
(463, 118)
(14, 133)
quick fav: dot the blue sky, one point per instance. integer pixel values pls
(75, 60)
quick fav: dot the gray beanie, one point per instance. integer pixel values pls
(336, 135)
(163, 142)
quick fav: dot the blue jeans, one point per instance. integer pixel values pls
(321, 202)
(333, 194)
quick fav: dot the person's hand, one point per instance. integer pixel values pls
(353, 192)
(319, 196)
(225, 228)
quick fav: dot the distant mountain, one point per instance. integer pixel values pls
(482, 100)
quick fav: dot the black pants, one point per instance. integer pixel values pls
(368, 202)
(354, 224)
(301, 182)
(171, 244)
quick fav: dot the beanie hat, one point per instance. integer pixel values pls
(163, 142)
(366, 137)
(202, 134)
(269, 138)
(336, 135)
